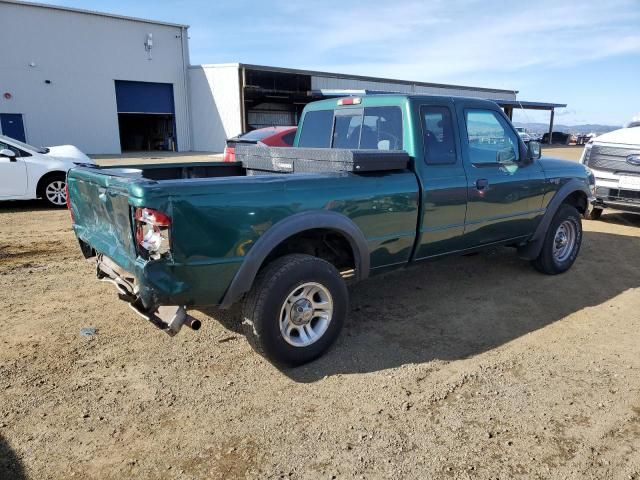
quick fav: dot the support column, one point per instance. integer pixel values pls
(509, 112)
(243, 108)
(551, 125)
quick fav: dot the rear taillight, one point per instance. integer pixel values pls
(229, 154)
(66, 193)
(153, 233)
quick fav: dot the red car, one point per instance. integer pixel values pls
(270, 136)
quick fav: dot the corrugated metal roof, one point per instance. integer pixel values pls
(266, 68)
(372, 79)
(92, 12)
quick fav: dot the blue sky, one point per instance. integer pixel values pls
(583, 53)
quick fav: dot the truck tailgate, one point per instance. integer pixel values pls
(102, 215)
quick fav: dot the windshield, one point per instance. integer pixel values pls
(25, 146)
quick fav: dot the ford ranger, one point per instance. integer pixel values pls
(429, 176)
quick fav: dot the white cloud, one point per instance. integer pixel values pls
(441, 41)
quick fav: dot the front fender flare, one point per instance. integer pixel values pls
(532, 249)
(284, 229)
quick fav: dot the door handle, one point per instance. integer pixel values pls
(482, 183)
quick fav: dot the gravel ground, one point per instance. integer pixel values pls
(471, 367)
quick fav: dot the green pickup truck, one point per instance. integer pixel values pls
(430, 176)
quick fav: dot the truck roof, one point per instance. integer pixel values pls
(381, 99)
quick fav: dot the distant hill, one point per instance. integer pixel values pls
(558, 127)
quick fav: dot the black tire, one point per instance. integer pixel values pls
(52, 190)
(549, 263)
(263, 306)
(595, 214)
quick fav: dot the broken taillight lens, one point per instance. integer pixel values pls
(153, 233)
(66, 193)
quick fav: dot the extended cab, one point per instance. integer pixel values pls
(177, 237)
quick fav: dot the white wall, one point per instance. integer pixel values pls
(82, 54)
(320, 82)
(215, 105)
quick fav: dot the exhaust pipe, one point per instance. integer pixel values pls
(169, 318)
(192, 323)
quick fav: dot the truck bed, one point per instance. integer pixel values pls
(177, 171)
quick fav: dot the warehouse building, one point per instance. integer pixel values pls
(110, 84)
(228, 99)
(104, 83)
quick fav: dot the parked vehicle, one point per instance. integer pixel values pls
(271, 136)
(557, 137)
(614, 159)
(378, 183)
(28, 172)
(525, 137)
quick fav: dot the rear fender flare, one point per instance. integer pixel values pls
(286, 228)
(532, 249)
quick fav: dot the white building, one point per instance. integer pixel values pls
(108, 83)
(87, 78)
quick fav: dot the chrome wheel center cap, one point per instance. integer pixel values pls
(301, 312)
(561, 239)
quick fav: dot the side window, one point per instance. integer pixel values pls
(437, 131)
(316, 129)
(288, 138)
(490, 140)
(346, 131)
(382, 128)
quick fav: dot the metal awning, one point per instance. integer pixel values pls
(529, 105)
(509, 105)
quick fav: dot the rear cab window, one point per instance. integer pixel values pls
(316, 129)
(438, 135)
(375, 128)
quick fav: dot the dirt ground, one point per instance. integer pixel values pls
(471, 367)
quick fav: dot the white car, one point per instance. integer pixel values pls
(28, 172)
(614, 159)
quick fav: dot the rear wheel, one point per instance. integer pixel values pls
(562, 242)
(54, 190)
(295, 310)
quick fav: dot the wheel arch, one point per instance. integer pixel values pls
(291, 226)
(42, 182)
(574, 193)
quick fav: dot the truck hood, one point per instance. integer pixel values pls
(625, 136)
(68, 153)
(550, 164)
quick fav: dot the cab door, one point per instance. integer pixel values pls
(13, 174)
(443, 180)
(501, 183)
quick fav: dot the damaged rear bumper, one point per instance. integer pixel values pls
(169, 318)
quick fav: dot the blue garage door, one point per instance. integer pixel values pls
(11, 126)
(144, 97)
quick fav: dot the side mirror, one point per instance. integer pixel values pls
(534, 151)
(10, 154)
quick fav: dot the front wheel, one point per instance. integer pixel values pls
(295, 310)
(562, 242)
(54, 191)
